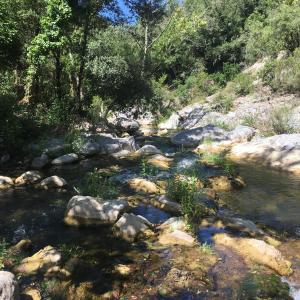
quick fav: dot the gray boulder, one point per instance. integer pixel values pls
(5, 181)
(29, 177)
(130, 226)
(9, 289)
(127, 125)
(40, 162)
(241, 134)
(65, 159)
(193, 118)
(85, 210)
(89, 148)
(191, 138)
(110, 145)
(149, 150)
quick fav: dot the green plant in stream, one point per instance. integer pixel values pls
(263, 286)
(96, 185)
(75, 139)
(182, 189)
(219, 160)
(147, 169)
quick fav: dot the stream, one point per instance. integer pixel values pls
(270, 198)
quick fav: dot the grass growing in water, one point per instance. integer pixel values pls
(182, 189)
(219, 160)
(96, 185)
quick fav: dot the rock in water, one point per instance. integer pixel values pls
(9, 289)
(225, 183)
(40, 162)
(5, 182)
(257, 251)
(53, 182)
(39, 262)
(65, 159)
(177, 237)
(148, 150)
(85, 210)
(29, 177)
(191, 138)
(130, 226)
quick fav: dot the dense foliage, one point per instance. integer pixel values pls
(61, 60)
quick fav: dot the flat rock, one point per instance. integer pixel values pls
(53, 182)
(9, 289)
(89, 148)
(65, 159)
(144, 186)
(279, 151)
(130, 227)
(224, 183)
(176, 237)
(174, 223)
(191, 138)
(39, 262)
(85, 210)
(256, 251)
(168, 205)
(29, 177)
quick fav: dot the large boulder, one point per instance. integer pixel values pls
(193, 118)
(40, 262)
(127, 125)
(109, 144)
(191, 138)
(9, 289)
(130, 227)
(256, 251)
(279, 151)
(89, 148)
(53, 182)
(85, 210)
(40, 162)
(65, 159)
(241, 134)
(29, 177)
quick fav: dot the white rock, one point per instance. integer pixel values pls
(85, 210)
(53, 182)
(65, 159)
(9, 289)
(130, 226)
(4, 180)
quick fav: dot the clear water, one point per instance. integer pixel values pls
(270, 197)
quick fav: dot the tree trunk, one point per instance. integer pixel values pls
(58, 71)
(146, 44)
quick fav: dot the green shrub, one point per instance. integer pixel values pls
(250, 120)
(96, 185)
(147, 169)
(224, 102)
(279, 120)
(75, 139)
(182, 189)
(228, 73)
(243, 84)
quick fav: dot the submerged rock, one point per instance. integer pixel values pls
(191, 138)
(9, 289)
(40, 162)
(53, 182)
(29, 177)
(85, 210)
(176, 237)
(39, 262)
(225, 183)
(130, 227)
(256, 251)
(65, 159)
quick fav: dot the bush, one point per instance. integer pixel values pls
(279, 120)
(224, 102)
(96, 185)
(243, 84)
(75, 139)
(182, 189)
